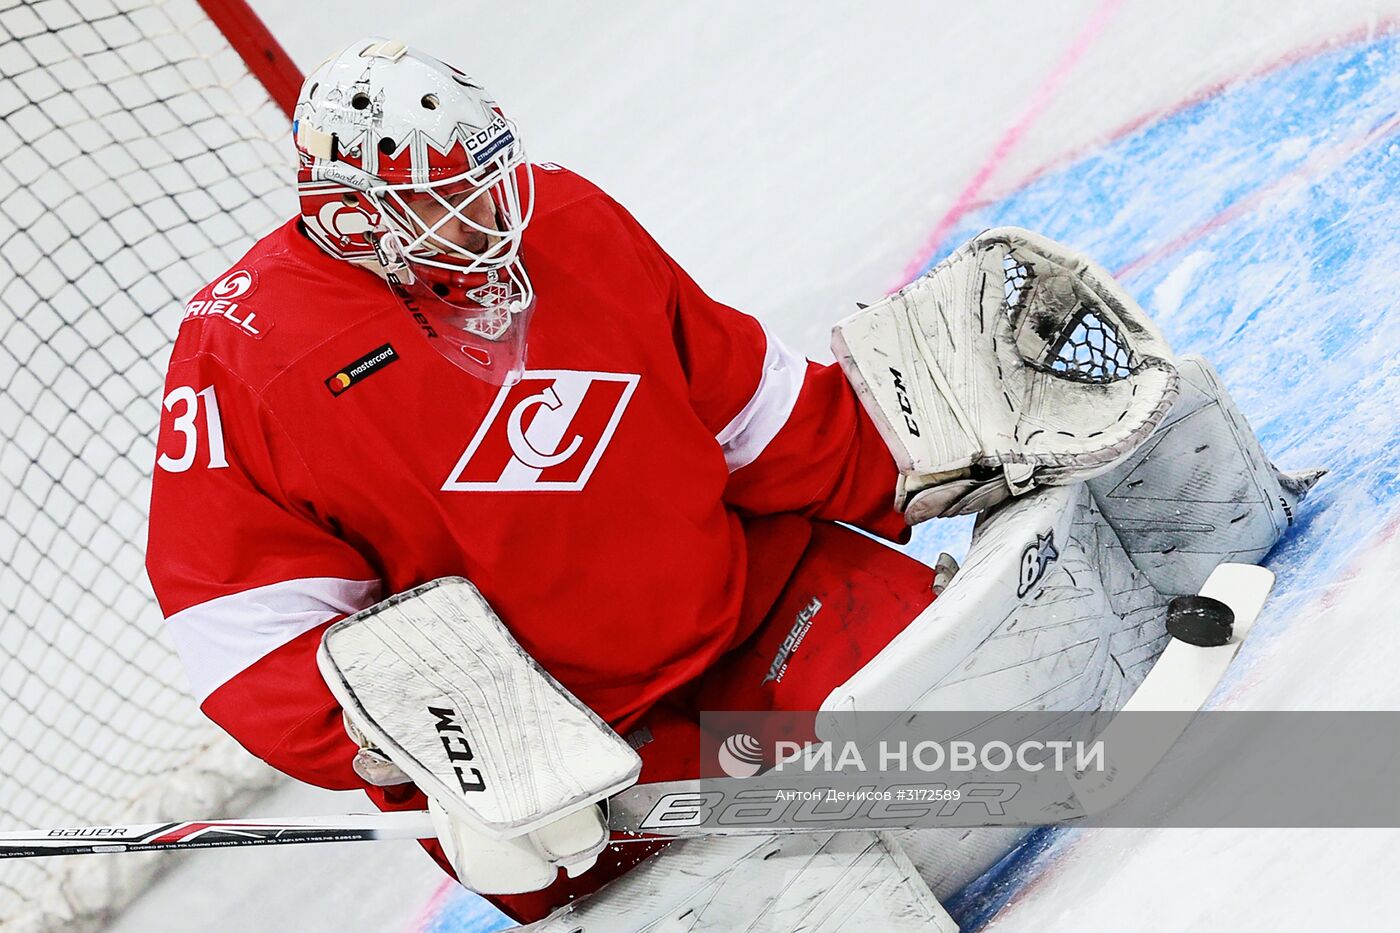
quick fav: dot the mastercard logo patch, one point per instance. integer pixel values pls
(359, 370)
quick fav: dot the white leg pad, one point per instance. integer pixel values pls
(814, 882)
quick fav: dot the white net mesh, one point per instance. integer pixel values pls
(138, 159)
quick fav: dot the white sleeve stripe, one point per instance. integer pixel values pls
(225, 636)
(753, 429)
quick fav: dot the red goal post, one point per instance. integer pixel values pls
(258, 48)
(145, 147)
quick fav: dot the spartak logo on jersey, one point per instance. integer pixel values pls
(545, 433)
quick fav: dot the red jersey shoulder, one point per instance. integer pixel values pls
(578, 226)
(562, 196)
(283, 298)
(557, 187)
(234, 299)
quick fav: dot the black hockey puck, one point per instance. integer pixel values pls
(1200, 621)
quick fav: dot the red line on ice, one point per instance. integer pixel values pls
(1039, 101)
(430, 912)
(970, 201)
(1381, 27)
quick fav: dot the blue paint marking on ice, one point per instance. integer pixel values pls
(461, 911)
(978, 902)
(1281, 194)
(1292, 298)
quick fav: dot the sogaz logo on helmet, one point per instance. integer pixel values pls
(485, 143)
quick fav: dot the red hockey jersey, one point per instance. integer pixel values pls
(316, 455)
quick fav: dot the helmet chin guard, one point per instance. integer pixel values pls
(478, 321)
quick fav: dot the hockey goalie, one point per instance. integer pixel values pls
(469, 497)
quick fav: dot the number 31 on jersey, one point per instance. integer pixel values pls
(185, 404)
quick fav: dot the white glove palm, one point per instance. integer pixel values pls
(525, 863)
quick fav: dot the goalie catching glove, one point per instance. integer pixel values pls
(1015, 363)
(436, 692)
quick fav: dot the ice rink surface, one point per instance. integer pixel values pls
(1237, 165)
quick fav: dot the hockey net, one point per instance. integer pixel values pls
(140, 157)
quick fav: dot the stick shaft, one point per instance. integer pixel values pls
(207, 834)
(628, 812)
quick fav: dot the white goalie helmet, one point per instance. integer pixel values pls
(406, 166)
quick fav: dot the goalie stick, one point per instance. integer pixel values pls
(211, 834)
(1181, 681)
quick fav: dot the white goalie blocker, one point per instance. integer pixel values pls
(513, 765)
(1016, 363)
